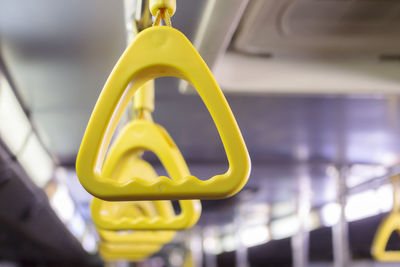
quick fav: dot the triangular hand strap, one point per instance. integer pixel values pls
(111, 252)
(145, 237)
(156, 52)
(138, 249)
(123, 160)
(385, 230)
(138, 257)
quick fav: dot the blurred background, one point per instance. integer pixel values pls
(314, 86)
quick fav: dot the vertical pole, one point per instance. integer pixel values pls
(340, 239)
(300, 241)
(241, 250)
(196, 247)
(396, 199)
(117, 264)
(210, 259)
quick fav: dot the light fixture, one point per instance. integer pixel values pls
(384, 196)
(14, 125)
(211, 242)
(285, 227)
(228, 243)
(89, 242)
(254, 235)
(360, 173)
(62, 203)
(17, 134)
(77, 226)
(362, 205)
(282, 209)
(330, 214)
(36, 161)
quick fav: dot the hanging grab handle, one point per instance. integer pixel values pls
(389, 225)
(122, 161)
(159, 52)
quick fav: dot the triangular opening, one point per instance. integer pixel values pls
(152, 161)
(393, 243)
(204, 150)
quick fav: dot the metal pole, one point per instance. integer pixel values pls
(196, 247)
(375, 182)
(340, 239)
(300, 241)
(241, 250)
(210, 259)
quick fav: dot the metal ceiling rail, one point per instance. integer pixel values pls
(375, 182)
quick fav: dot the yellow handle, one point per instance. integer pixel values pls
(106, 256)
(123, 162)
(156, 52)
(136, 236)
(386, 228)
(389, 225)
(127, 248)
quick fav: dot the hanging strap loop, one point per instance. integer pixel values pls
(162, 9)
(156, 5)
(162, 14)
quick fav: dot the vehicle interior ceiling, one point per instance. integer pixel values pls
(314, 87)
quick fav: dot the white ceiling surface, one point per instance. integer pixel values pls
(327, 28)
(59, 54)
(304, 46)
(307, 76)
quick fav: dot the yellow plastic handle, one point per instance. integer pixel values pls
(134, 252)
(148, 237)
(386, 228)
(123, 160)
(156, 52)
(132, 257)
(129, 208)
(129, 248)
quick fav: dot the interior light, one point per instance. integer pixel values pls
(229, 242)
(283, 209)
(330, 214)
(389, 159)
(212, 245)
(255, 214)
(254, 236)
(284, 227)
(77, 226)
(62, 203)
(211, 242)
(362, 205)
(14, 125)
(36, 161)
(360, 173)
(176, 257)
(313, 221)
(89, 242)
(384, 197)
